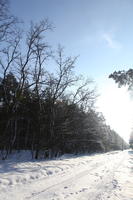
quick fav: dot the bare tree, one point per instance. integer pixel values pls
(62, 84)
(58, 83)
(7, 22)
(38, 52)
(19, 63)
(84, 95)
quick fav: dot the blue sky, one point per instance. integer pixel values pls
(99, 31)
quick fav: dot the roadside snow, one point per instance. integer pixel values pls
(88, 177)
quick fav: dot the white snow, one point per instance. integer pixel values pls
(86, 177)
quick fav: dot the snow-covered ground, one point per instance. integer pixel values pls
(89, 177)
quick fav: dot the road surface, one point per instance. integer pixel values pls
(88, 177)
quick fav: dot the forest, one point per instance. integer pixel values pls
(45, 106)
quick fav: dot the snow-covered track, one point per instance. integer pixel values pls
(95, 177)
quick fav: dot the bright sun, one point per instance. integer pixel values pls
(117, 107)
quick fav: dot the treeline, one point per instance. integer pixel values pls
(50, 127)
(131, 140)
(49, 112)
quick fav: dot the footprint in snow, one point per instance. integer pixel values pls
(84, 189)
(66, 196)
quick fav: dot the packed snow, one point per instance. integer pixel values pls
(83, 177)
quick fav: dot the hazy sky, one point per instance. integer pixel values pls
(101, 32)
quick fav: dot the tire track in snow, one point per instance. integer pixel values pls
(108, 184)
(102, 182)
(63, 183)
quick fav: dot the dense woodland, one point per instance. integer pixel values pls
(45, 106)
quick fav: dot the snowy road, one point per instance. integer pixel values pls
(95, 177)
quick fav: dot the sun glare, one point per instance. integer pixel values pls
(117, 107)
